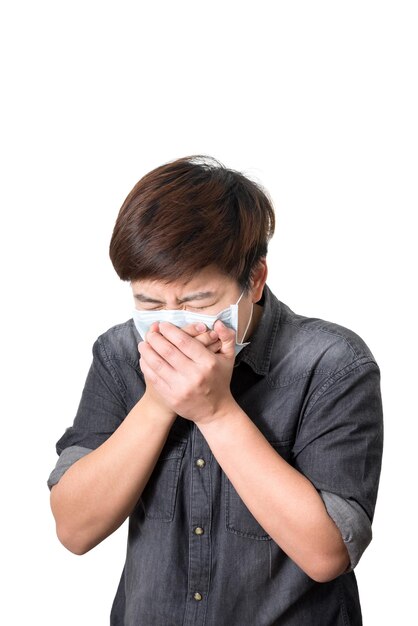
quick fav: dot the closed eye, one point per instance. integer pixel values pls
(199, 308)
(154, 308)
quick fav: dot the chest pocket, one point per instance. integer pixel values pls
(159, 495)
(238, 518)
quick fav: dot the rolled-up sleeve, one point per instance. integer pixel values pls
(339, 449)
(101, 410)
(353, 523)
(102, 406)
(67, 458)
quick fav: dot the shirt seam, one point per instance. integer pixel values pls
(131, 363)
(355, 352)
(112, 369)
(285, 382)
(335, 377)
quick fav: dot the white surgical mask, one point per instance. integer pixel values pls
(179, 317)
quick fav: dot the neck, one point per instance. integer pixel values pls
(257, 313)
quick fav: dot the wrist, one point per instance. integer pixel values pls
(156, 411)
(224, 412)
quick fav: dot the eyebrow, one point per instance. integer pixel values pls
(199, 295)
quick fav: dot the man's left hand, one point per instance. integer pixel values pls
(193, 381)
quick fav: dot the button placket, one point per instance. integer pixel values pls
(200, 524)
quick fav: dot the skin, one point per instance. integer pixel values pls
(188, 372)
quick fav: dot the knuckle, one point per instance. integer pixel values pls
(202, 377)
(182, 342)
(196, 381)
(149, 375)
(211, 364)
(153, 378)
(157, 366)
(167, 350)
(204, 339)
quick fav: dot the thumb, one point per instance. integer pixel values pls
(227, 338)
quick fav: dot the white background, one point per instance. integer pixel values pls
(317, 101)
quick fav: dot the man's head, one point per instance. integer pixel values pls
(190, 214)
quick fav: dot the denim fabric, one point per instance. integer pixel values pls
(67, 458)
(313, 389)
(352, 521)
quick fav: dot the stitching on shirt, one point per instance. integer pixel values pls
(343, 608)
(284, 382)
(208, 588)
(116, 355)
(229, 491)
(334, 378)
(191, 485)
(324, 330)
(112, 370)
(130, 362)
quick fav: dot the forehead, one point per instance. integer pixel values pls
(207, 280)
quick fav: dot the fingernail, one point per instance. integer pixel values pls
(200, 327)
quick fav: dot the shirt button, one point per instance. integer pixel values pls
(197, 596)
(198, 531)
(200, 463)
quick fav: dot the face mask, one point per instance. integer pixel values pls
(144, 319)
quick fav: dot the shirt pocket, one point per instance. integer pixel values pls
(238, 518)
(159, 495)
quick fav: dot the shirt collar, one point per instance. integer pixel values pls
(258, 353)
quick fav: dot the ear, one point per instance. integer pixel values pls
(258, 279)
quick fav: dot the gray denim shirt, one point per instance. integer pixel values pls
(196, 556)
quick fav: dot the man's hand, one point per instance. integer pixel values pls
(208, 338)
(190, 378)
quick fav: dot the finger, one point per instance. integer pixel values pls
(152, 329)
(158, 385)
(170, 353)
(153, 360)
(193, 330)
(214, 347)
(188, 346)
(227, 337)
(208, 338)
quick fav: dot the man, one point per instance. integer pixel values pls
(243, 440)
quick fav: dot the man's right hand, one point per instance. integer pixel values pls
(208, 338)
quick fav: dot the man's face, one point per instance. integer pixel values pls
(208, 292)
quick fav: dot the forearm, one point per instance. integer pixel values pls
(283, 501)
(98, 492)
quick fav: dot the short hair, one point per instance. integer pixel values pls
(189, 214)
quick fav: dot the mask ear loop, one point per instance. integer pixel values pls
(249, 321)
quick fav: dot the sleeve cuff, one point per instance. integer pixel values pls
(353, 523)
(67, 458)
